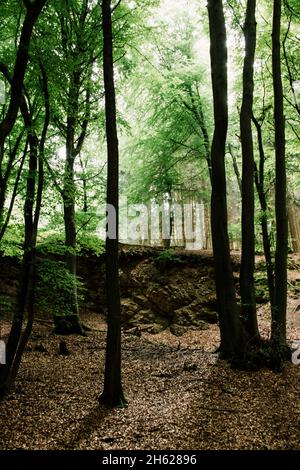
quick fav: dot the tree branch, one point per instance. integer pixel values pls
(116, 6)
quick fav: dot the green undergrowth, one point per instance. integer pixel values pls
(167, 258)
(87, 245)
(55, 286)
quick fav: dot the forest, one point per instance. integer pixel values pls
(149, 227)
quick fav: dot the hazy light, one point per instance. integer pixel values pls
(61, 153)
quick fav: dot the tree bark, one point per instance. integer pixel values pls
(32, 223)
(248, 300)
(27, 266)
(259, 176)
(4, 180)
(4, 222)
(225, 289)
(197, 109)
(76, 131)
(235, 167)
(112, 394)
(182, 200)
(69, 190)
(167, 221)
(17, 341)
(279, 311)
(149, 210)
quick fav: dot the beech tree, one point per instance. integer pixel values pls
(25, 298)
(225, 288)
(280, 304)
(71, 116)
(248, 234)
(32, 207)
(112, 394)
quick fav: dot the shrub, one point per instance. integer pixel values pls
(54, 287)
(86, 244)
(167, 257)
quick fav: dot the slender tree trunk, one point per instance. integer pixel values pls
(183, 220)
(85, 200)
(149, 214)
(4, 226)
(112, 394)
(30, 271)
(248, 228)
(168, 221)
(4, 180)
(70, 226)
(207, 222)
(32, 221)
(67, 324)
(76, 125)
(27, 266)
(160, 220)
(279, 310)
(260, 187)
(84, 186)
(197, 110)
(235, 167)
(17, 340)
(225, 289)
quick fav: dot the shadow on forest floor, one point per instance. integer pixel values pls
(180, 397)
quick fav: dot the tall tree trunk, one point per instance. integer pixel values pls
(225, 289)
(248, 231)
(197, 109)
(260, 187)
(149, 217)
(207, 224)
(112, 394)
(17, 340)
(279, 310)
(167, 221)
(32, 223)
(160, 220)
(27, 288)
(70, 323)
(66, 324)
(85, 199)
(70, 227)
(5, 223)
(84, 185)
(26, 277)
(182, 200)
(4, 180)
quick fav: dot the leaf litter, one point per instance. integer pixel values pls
(181, 396)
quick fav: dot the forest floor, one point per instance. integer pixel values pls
(181, 396)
